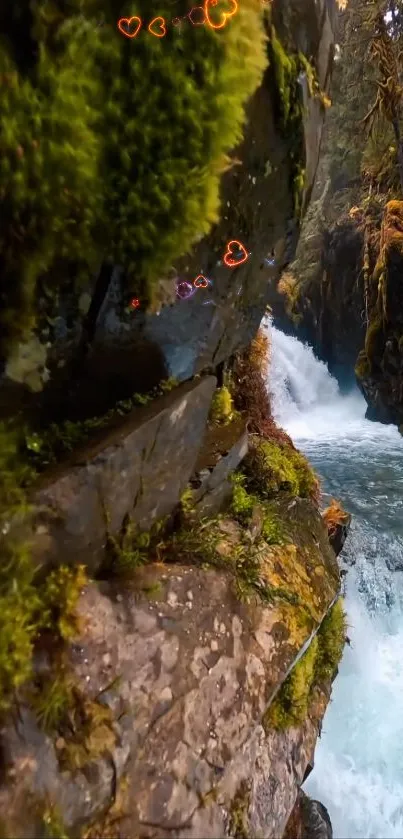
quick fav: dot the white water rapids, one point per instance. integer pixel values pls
(358, 772)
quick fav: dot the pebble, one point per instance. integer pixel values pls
(189, 595)
(214, 646)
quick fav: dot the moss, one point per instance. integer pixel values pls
(373, 337)
(52, 824)
(28, 607)
(242, 501)
(60, 594)
(316, 668)
(90, 128)
(272, 467)
(332, 638)
(362, 367)
(290, 707)
(238, 824)
(221, 410)
(287, 68)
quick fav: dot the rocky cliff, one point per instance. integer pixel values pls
(341, 291)
(170, 624)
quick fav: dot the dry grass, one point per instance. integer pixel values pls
(334, 516)
(250, 392)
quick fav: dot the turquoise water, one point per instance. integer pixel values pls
(358, 772)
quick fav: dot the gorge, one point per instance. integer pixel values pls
(201, 365)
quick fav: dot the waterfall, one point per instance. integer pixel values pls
(358, 772)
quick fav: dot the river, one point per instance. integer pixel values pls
(358, 772)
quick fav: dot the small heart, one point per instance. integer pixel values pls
(160, 26)
(184, 290)
(200, 282)
(224, 15)
(237, 250)
(125, 26)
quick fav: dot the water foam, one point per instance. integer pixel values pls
(358, 770)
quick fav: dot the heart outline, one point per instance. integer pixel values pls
(225, 15)
(229, 262)
(200, 285)
(163, 27)
(128, 20)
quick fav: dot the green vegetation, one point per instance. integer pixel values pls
(316, 667)
(29, 607)
(239, 813)
(52, 824)
(221, 411)
(290, 707)
(90, 126)
(271, 467)
(53, 700)
(287, 67)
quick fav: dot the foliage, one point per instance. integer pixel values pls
(90, 126)
(272, 467)
(52, 701)
(221, 410)
(250, 393)
(334, 516)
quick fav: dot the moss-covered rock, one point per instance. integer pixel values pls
(316, 668)
(271, 467)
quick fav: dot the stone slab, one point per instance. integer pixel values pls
(139, 469)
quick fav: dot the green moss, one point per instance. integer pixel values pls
(90, 127)
(28, 607)
(60, 594)
(373, 337)
(52, 824)
(290, 707)
(362, 366)
(287, 67)
(271, 467)
(317, 666)
(332, 638)
(242, 501)
(221, 410)
(238, 828)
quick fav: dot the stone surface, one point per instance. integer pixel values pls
(221, 453)
(189, 672)
(138, 469)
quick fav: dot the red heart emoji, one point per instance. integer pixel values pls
(125, 23)
(161, 26)
(224, 15)
(234, 247)
(200, 282)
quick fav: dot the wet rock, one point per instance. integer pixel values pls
(309, 820)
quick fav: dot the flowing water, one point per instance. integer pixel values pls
(358, 772)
